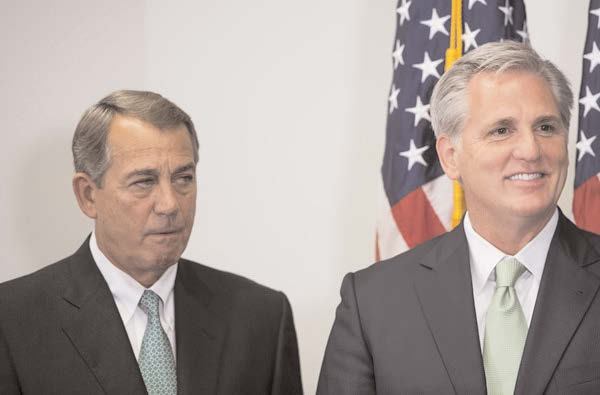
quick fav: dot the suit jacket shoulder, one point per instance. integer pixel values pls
(399, 271)
(581, 246)
(61, 332)
(229, 296)
(233, 335)
(382, 340)
(35, 295)
(219, 281)
(37, 285)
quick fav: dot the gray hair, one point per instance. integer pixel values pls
(449, 98)
(91, 154)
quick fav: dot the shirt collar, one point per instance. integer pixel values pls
(484, 256)
(125, 289)
(533, 255)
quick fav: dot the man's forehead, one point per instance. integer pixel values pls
(128, 135)
(512, 85)
(490, 78)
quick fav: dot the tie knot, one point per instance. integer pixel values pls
(149, 303)
(508, 271)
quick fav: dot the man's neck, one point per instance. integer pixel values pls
(509, 234)
(145, 277)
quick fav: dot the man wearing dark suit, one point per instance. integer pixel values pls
(507, 302)
(125, 314)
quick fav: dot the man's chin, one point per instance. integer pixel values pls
(163, 252)
(164, 259)
(534, 211)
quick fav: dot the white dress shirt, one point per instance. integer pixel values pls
(484, 257)
(127, 293)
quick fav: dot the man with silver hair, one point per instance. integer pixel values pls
(507, 302)
(126, 314)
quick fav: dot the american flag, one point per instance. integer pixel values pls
(586, 199)
(417, 199)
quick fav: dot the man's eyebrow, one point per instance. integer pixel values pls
(184, 168)
(142, 172)
(547, 119)
(154, 172)
(503, 122)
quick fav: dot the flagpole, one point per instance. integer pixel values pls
(453, 53)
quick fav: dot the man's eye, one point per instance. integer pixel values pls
(147, 182)
(501, 131)
(547, 128)
(186, 179)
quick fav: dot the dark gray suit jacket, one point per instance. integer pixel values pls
(408, 325)
(61, 333)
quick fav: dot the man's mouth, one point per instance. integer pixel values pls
(166, 232)
(526, 176)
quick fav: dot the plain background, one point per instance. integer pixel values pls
(289, 99)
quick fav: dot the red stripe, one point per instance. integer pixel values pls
(416, 219)
(586, 205)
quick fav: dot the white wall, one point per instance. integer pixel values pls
(290, 102)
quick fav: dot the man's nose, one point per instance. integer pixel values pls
(165, 201)
(527, 146)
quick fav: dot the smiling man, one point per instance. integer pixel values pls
(507, 302)
(126, 314)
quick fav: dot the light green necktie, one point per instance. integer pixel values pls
(156, 356)
(505, 331)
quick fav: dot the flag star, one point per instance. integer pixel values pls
(472, 2)
(403, 11)
(597, 13)
(398, 54)
(414, 154)
(468, 37)
(508, 13)
(589, 101)
(428, 67)
(524, 33)
(436, 24)
(393, 99)
(584, 145)
(593, 57)
(420, 110)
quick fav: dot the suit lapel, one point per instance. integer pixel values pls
(443, 286)
(92, 323)
(566, 291)
(200, 333)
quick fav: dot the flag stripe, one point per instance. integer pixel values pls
(586, 205)
(389, 240)
(439, 192)
(416, 219)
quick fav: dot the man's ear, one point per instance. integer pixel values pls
(85, 191)
(448, 153)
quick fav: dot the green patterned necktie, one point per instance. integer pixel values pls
(505, 331)
(156, 356)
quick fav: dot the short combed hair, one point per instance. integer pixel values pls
(91, 154)
(449, 108)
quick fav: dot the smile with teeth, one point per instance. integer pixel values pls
(526, 176)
